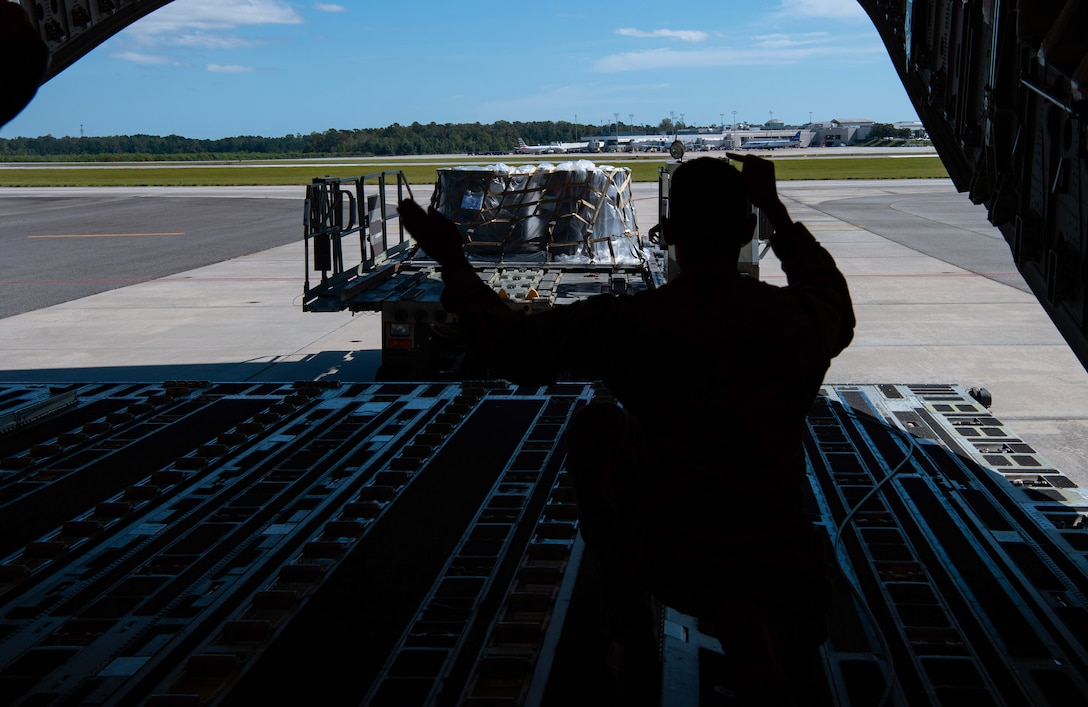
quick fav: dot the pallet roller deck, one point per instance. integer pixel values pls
(417, 543)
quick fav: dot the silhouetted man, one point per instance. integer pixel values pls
(692, 490)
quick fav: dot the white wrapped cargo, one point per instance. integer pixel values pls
(570, 212)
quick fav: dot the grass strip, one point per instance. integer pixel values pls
(643, 170)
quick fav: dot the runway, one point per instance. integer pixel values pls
(937, 297)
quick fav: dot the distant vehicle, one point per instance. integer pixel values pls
(647, 146)
(551, 148)
(794, 141)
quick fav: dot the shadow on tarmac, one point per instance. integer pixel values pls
(349, 366)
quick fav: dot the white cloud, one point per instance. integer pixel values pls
(825, 9)
(666, 59)
(684, 35)
(204, 40)
(212, 15)
(781, 41)
(143, 58)
(190, 27)
(725, 56)
(329, 7)
(230, 69)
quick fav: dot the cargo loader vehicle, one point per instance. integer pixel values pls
(541, 236)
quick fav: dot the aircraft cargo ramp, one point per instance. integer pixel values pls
(417, 543)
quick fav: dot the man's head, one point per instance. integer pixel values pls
(709, 217)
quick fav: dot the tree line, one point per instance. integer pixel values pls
(883, 130)
(393, 140)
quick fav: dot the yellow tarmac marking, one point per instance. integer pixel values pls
(106, 235)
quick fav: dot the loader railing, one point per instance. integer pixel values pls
(338, 208)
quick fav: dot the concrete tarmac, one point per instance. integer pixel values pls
(936, 294)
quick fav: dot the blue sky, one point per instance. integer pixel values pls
(219, 68)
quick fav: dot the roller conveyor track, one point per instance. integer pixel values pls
(976, 601)
(416, 543)
(265, 529)
(966, 548)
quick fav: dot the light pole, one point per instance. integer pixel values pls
(735, 146)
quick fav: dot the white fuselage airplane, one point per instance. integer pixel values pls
(551, 148)
(772, 144)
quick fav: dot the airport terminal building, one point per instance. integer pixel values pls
(837, 132)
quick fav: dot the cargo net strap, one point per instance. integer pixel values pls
(573, 212)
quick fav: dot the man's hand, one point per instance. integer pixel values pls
(436, 234)
(761, 188)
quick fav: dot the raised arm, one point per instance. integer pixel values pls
(761, 188)
(483, 313)
(436, 234)
(810, 269)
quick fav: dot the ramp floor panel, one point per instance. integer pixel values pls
(417, 543)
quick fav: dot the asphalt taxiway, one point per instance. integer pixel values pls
(109, 296)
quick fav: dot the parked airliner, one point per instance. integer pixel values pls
(551, 148)
(794, 141)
